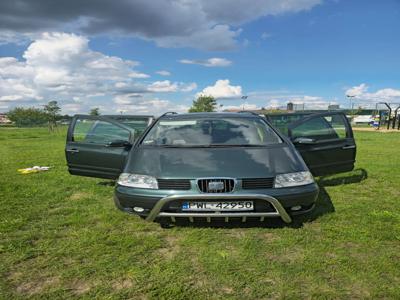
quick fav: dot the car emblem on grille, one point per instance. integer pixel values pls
(216, 185)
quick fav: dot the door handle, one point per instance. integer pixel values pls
(72, 150)
(348, 147)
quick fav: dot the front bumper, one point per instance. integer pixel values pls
(269, 203)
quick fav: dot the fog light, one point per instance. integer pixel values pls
(138, 209)
(296, 208)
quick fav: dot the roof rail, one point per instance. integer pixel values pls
(168, 113)
(251, 112)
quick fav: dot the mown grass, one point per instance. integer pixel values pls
(62, 237)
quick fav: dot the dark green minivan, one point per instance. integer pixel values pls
(202, 167)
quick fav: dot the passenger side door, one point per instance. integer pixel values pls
(325, 141)
(97, 146)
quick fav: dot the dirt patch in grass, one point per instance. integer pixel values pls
(80, 287)
(171, 247)
(79, 196)
(35, 286)
(293, 255)
(123, 284)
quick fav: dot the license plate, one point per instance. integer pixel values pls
(218, 206)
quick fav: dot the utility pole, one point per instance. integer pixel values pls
(351, 104)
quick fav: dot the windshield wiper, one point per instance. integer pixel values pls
(209, 146)
(180, 146)
(235, 145)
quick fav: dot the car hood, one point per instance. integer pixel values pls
(235, 162)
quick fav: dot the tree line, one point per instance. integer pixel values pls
(50, 113)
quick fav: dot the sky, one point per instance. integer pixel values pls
(141, 57)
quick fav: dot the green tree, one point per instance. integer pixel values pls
(95, 111)
(204, 104)
(52, 111)
(27, 117)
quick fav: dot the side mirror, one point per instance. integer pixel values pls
(303, 140)
(119, 143)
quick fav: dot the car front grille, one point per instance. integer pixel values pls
(173, 184)
(216, 185)
(257, 183)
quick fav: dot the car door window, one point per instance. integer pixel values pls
(321, 128)
(282, 121)
(139, 124)
(98, 132)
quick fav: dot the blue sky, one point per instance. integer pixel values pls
(308, 51)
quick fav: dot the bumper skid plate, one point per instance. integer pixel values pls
(279, 210)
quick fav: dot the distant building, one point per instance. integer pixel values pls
(4, 119)
(333, 107)
(290, 106)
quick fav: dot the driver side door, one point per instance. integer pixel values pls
(97, 146)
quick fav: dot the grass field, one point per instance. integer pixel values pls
(61, 236)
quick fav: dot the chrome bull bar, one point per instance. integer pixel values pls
(279, 210)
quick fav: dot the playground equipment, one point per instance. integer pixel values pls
(389, 116)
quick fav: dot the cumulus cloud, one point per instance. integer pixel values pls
(196, 23)
(222, 90)
(153, 106)
(357, 91)
(362, 95)
(163, 86)
(62, 67)
(211, 62)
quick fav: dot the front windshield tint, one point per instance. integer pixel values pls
(211, 132)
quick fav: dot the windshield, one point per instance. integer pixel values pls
(211, 132)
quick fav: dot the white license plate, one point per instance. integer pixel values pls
(218, 206)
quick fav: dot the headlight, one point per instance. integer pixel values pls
(138, 181)
(293, 179)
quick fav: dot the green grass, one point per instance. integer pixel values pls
(62, 237)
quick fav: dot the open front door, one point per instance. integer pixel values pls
(325, 141)
(97, 146)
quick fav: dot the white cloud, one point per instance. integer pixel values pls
(188, 87)
(357, 90)
(280, 98)
(362, 96)
(222, 89)
(153, 106)
(163, 73)
(167, 86)
(138, 75)
(211, 62)
(62, 67)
